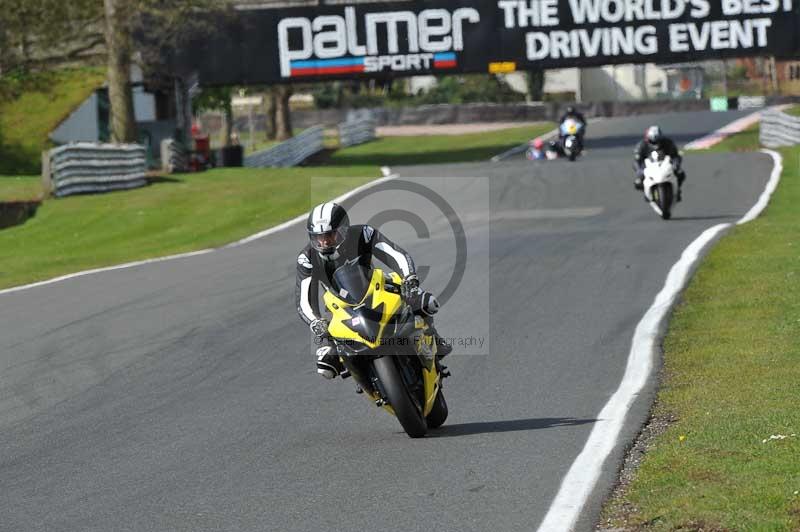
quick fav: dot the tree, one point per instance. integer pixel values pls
(120, 45)
(536, 84)
(38, 34)
(270, 108)
(217, 98)
(42, 34)
(283, 117)
(160, 24)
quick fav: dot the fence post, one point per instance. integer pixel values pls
(47, 178)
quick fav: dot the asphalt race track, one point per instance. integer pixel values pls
(182, 395)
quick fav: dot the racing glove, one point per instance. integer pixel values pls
(428, 303)
(410, 287)
(319, 327)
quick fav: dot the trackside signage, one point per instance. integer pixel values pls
(416, 37)
(410, 41)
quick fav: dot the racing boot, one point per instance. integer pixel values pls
(442, 347)
(328, 363)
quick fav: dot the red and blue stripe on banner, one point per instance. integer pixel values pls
(355, 65)
(320, 67)
(445, 60)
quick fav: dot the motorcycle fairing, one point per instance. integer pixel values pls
(364, 322)
(570, 127)
(382, 305)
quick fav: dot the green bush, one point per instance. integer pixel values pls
(737, 72)
(471, 89)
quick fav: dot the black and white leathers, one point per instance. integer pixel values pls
(362, 242)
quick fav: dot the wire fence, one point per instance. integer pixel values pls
(311, 141)
(290, 153)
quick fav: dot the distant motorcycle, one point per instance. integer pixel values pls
(660, 183)
(570, 138)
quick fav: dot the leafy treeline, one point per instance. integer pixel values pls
(448, 89)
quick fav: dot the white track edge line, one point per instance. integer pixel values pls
(272, 230)
(715, 137)
(582, 476)
(737, 126)
(763, 200)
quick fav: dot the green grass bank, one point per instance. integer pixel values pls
(729, 458)
(437, 149)
(31, 106)
(182, 213)
(188, 212)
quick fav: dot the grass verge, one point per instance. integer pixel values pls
(794, 111)
(729, 457)
(436, 149)
(746, 140)
(17, 188)
(173, 215)
(196, 211)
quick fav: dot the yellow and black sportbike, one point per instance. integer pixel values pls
(389, 352)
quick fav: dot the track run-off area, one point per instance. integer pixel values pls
(182, 395)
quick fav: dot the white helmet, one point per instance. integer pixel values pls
(327, 227)
(653, 134)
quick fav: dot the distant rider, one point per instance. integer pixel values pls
(536, 149)
(333, 242)
(655, 141)
(571, 112)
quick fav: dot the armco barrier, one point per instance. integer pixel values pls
(91, 167)
(750, 102)
(174, 156)
(354, 132)
(779, 129)
(290, 153)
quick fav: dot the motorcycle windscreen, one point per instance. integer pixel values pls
(366, 322)
(351, 282)
(570, 126)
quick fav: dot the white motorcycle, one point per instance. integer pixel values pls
(660, 184)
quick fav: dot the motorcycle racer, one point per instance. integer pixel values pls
(654, 140)
(334, 242)
(573, 113)
(536, 149)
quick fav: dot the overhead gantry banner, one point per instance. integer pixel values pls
(438, 37)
